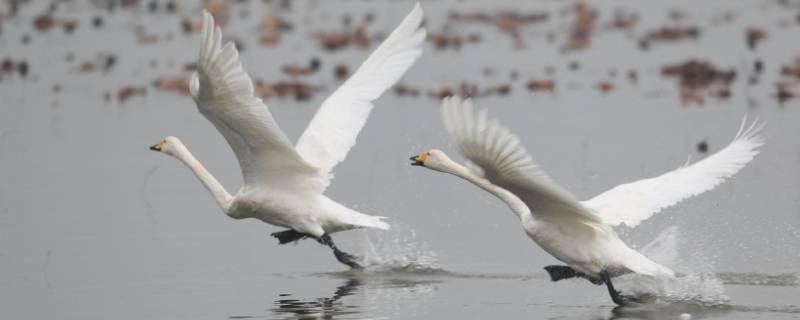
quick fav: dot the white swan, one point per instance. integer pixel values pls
(579, 234)
(284, 185)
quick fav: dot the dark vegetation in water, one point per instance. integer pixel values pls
(569, 28)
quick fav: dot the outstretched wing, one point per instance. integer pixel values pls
(634, 202)
(333, 130)
(507, 164)
(224, 95)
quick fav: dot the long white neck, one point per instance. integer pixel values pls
(216, 189)
(515, 203)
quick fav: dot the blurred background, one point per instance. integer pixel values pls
(94, 225)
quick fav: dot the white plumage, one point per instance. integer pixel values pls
(579, 234)
(634, 202)
(284, 185)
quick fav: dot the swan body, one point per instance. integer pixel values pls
(284, 184)
(580, 234)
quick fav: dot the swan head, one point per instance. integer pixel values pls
(434, 159)
(167, 145)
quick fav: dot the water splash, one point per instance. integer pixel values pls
(695, 283)
(399, 252)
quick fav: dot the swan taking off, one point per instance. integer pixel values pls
(579, 234)
(284, 184)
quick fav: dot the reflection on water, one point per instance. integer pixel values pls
(321, 308)
(661, 309)
(376, 288)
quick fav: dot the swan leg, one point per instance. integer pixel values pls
(342, 256)
(616, 296)
(564, 272)
(287, 236)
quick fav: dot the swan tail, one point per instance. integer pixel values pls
(640, 264)
(375, 222)
(359, 220)
(341, 218)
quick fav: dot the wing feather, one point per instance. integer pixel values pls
(506, 163)
(333, 130)
(634, 202)
(224, 94)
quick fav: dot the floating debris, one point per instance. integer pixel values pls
(299, 90)
(785, 91)
(633, 77)
(272, 26)
(97, 22)
(22, 68)
(341, 71)
(695, 76)
(8, 66)
(788, 86)
(691, 96)
(190, 66)
(604, 86)
(702, 146)
(499, 90)
(669, 34)
(758, 66)
(171, 7)
(793, 70)
(698, 74)
(442, 93)
(220, 10)
(69, 26)
(754, 36)
(143, 37)
(44, 22)
(295, 70)
(465, 90)
(509, 22)
(178, 84)
(442, 40)
(103, 62)
(677, 15)
(335, 40)
(405, 90)
(624, 20)
(582, 28)
(545, 85)
(189, 26)
(127, 92)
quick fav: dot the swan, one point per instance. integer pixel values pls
(580, 234)
(283, 184)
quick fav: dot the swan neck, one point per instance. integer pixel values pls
(213, 186)
(519, 208)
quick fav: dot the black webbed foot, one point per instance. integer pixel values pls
(560, 272)
(625, 299)
(287, 236)
(564, 272)
(343, 257)
(616, 296)
(348, 259)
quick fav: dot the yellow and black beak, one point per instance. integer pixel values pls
(157, 146)
(419, 160)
